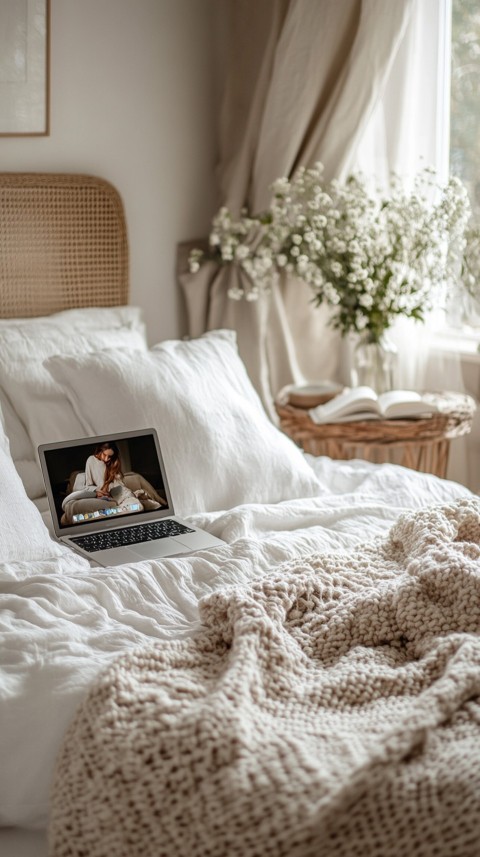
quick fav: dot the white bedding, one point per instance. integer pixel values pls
(61, 622)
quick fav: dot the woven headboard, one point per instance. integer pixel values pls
(63, 244)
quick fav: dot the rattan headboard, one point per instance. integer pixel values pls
(63, 244)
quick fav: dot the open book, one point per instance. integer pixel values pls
(362, 403)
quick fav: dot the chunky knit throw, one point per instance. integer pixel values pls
(330, 709)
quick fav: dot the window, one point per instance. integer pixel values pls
(464, 97)
(465, 142)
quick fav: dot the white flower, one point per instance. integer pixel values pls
(242, 252)
(366, 300)
(281, 185)
(361, 321)
(369, 256)
(235, 293)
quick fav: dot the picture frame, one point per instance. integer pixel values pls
(24, 68)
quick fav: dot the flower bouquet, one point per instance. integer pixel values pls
(369, 256)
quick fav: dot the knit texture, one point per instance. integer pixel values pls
(329, 709)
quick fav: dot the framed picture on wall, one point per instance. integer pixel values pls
(24, 67)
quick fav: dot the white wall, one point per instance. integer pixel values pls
(133, 101)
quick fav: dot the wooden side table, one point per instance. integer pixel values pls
(421, 444)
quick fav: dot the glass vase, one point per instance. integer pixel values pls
(374, 363)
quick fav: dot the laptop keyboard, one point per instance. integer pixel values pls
(131, 535)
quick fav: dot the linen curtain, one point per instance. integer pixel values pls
(303, 79)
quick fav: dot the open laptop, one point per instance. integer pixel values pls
(128, 519)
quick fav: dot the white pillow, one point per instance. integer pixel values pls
(31, 476)
(21, 446)
(220, 448)
(37, 400)
(22, 451)
(23, 534)
(106, 318)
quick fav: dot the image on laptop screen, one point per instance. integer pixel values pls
(98, 481)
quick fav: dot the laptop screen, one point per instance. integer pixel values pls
(96, 481)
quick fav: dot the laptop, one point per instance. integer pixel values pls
(110, 500)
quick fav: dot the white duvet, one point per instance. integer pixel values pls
(61, 622)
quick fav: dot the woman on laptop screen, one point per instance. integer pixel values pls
(105, 492)
(103, 472)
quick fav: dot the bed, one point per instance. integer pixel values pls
(311, 687)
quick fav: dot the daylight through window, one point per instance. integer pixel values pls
(464, 97)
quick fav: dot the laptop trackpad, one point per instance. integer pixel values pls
(144, 550)
(199, 540)
(183, 543)
(158, 548)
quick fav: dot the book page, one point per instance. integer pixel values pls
(404, 403)
(350, 402)
(360, 403)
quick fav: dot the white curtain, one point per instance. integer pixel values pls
(409, 125)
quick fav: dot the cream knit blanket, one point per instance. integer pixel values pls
(331, 709)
